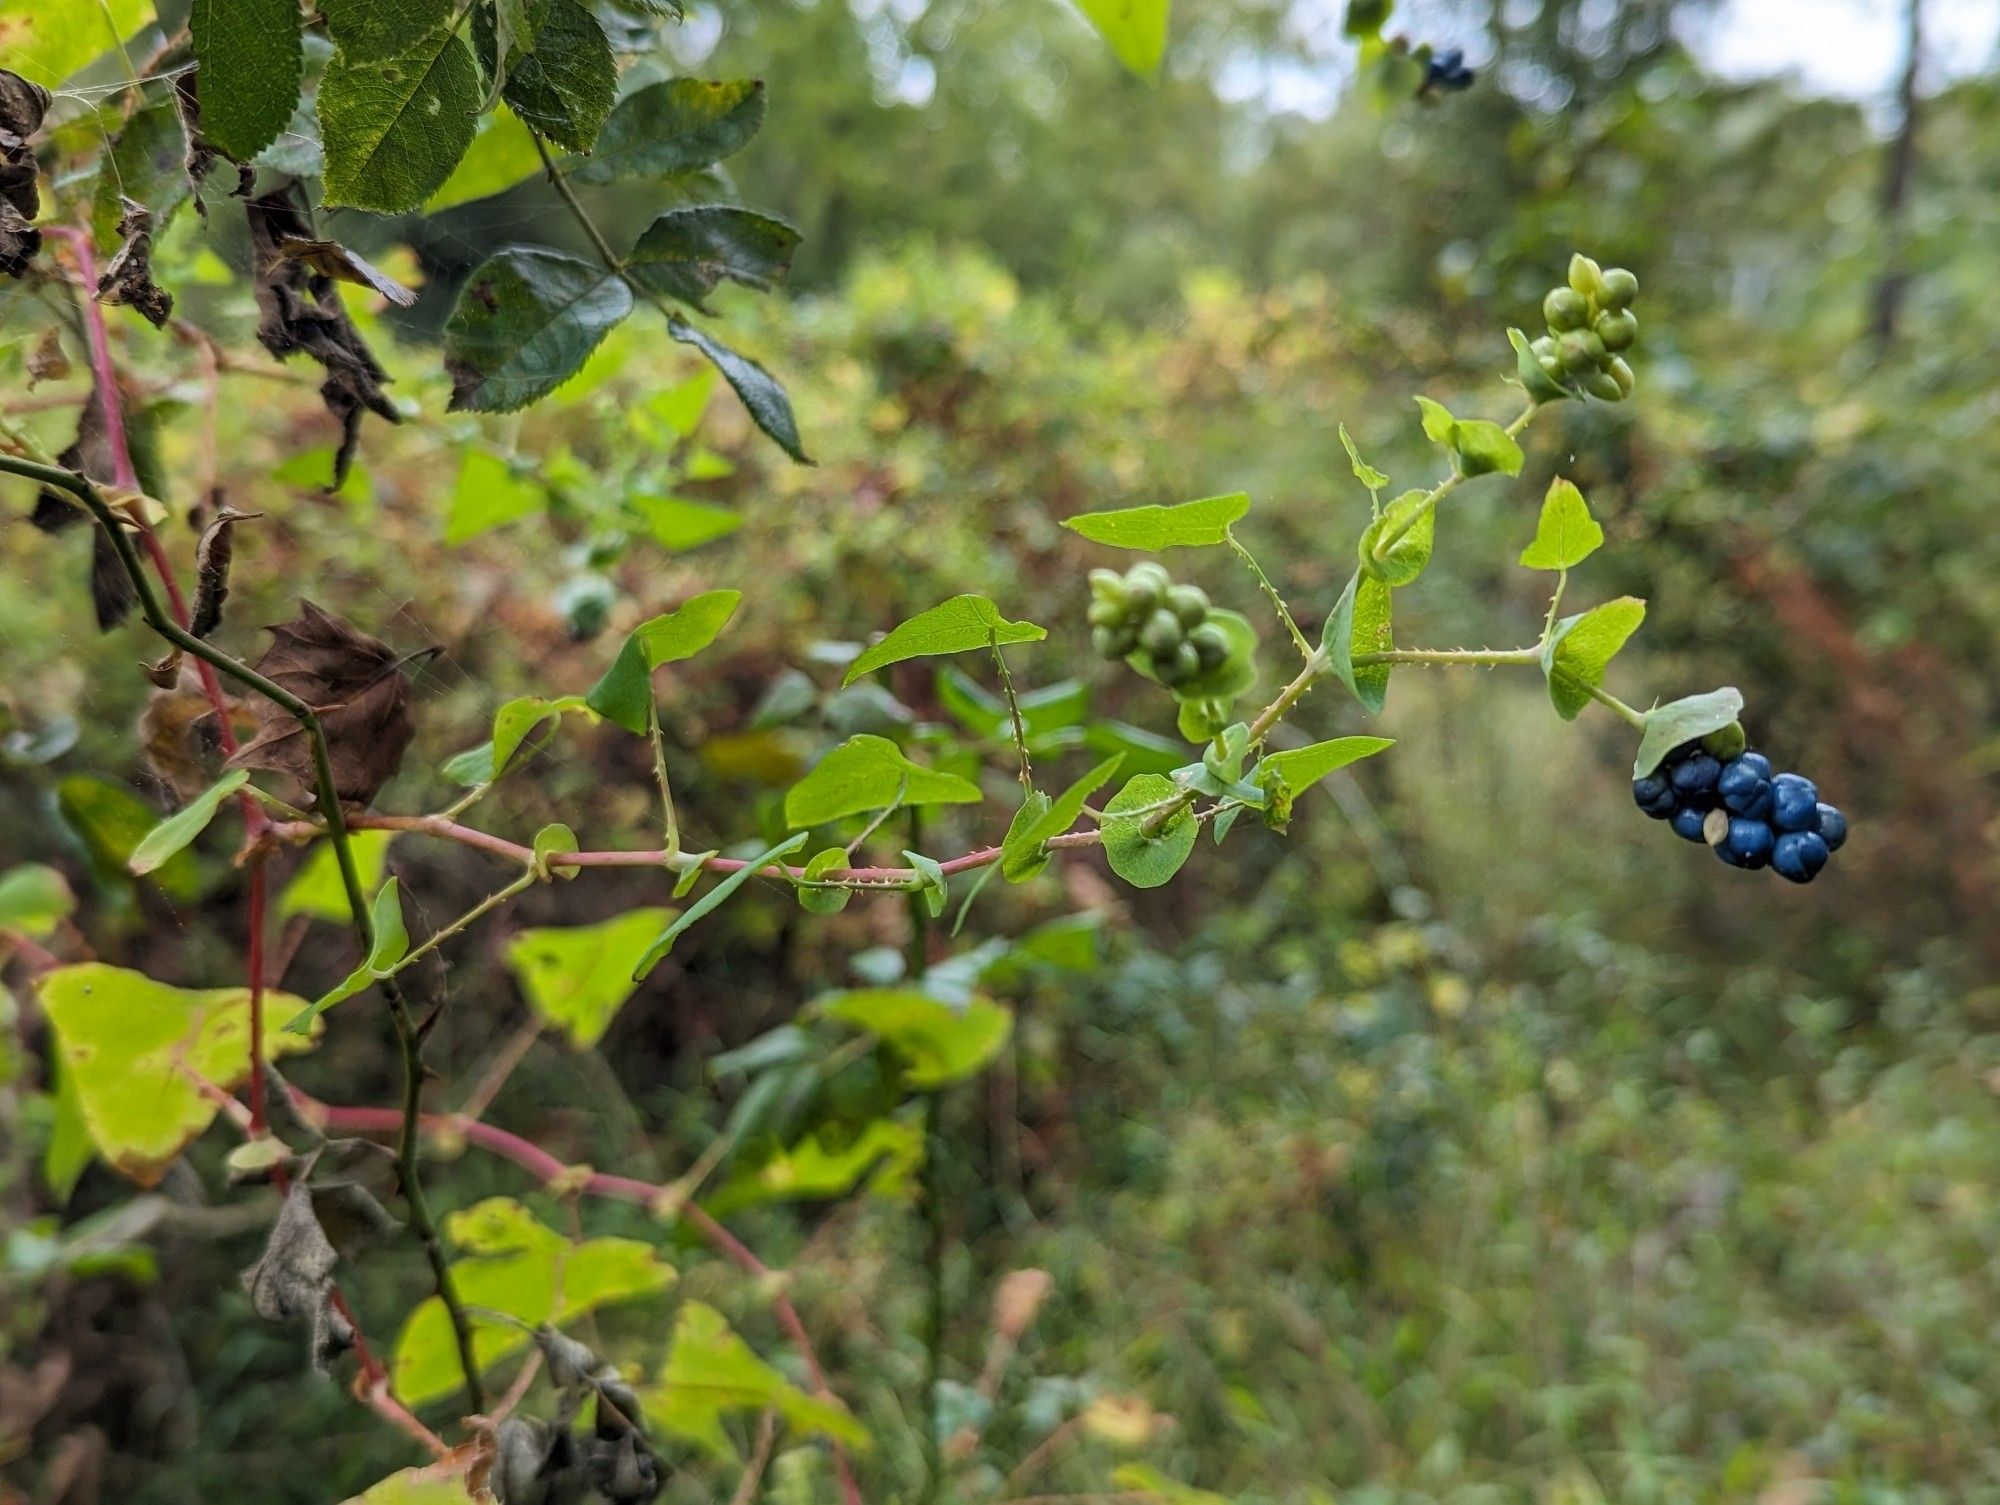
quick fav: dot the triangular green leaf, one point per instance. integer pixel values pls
(576, 978)
(1136, 30)
(625, 693)
(1299, 768)
(710, 1372)
(960, 625)
(1186, 525)
(867, 773)
(180, 828)
(1023, 854)
(1565, 534)
(937, 1043)
(713, 900)
(1582, 646)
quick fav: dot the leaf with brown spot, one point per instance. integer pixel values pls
(299, 311)
(355, 684)
(128, 279)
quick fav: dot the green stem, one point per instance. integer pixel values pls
(471, 917)
(930, 1195)
(1027, 774)
(1443, 489)
(1473, 657)
(1271, 593)
(162, 622)
(670, 820)
(1628, 714)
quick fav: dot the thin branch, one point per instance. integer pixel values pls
(1027, 771)
(1271, 594)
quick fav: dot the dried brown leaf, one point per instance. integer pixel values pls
(294, 1279)
(47, 361)
(212, 556)
(22, 106)
(89, 454)
(354, 683)
(178, 737)
(331, 259)
(128, 278)
(300, 312)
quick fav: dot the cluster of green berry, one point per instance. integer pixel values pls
(1591, 325)
(1143, 611)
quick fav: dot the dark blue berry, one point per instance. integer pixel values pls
(1799, 855)
(1794, 803)
(1654, 795)
(1745, 786)
(1832, 827)
(1696, 774)
(1687, 823)
(1748, 843)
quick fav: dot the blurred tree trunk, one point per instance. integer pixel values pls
(1897, 175)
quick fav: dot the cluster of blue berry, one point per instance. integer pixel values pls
(1720, 792)
(1446, 71)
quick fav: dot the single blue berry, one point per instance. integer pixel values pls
(1687, 822)
(1696, 774)
(1832, 827)
(1799, 855)
(1745, 786)
(1794, 803)
(1748, 843)
(1654, 795)
(1754, 760)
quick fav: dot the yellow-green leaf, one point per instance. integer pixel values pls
(711, 1372)
(867, 773)
(1565, 534)
(577, 977)
(937, 1043)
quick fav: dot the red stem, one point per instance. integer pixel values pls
(255, 963)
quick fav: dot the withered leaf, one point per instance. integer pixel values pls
(294, 1279)
(355, 684)
(89, 454)
(128, 278)
(47, 361)
(331, 259)
(211, 570)
(178, 736)
(299, 310)
(22, 106)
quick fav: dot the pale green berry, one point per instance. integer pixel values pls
(1618, 329)
(1189, 603)
(1161, 634)
(1565, 309)
(1620, 288)
(1621, 373)
(1585, 276)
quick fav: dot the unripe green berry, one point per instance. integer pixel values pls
(1210, 643)
(1565, 309)
(1161, 634)
(1107, 585)
(1726, 743)
(1104, 642)
(1575, 352)
(1604, 387)
(1618, 329)
(1585, 276)
(1189, 603)
(1179, 667)
(1620, 288)
(1105, 613)
(1152, 573)
(1621, 373)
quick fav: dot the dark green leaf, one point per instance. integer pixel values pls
(565, 86)
(249, 53)
(960, 625)
(625, 693)
(713, 899)
(1414, 515)
(687, 251)
(369, 31)
(526, 321)
(674, 127)
(769, 408)
(1582, 646)
(1146, 859)
(394, 127)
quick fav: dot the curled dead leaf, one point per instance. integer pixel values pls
(212, 556)
(300, 312)
(128, 278)
(330, 258)
(22, 106)
(354, 683)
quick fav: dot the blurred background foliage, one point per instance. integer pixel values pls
(1475, 1144)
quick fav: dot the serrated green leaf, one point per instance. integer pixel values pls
(34, 899)
(960, 625)
(565, 85)
(1135, 29)
(1299, 768)
(525, 322)
(185, 824)
(1359, 625)
(710, 1373)
(249, 53)
(510, 1261)
(139, 1053)
(762, 397)
(1678, 721)
(374, 30)
(316, 889)
(489, 494)
(625, 693)
(394, 127)
(1582, 646)
(937, 1043)
(1141, 859)
(685, 252)
(676, 127)
(1413, 513)
(1565, 534)
(712, 900)
(1023, 854)
(576, 978)
(1186, 525)
(391, 945)
(868, 773)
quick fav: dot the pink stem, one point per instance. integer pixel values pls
(78, 241)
